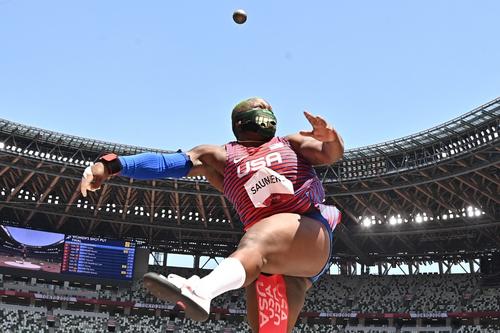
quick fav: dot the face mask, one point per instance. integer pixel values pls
(260, 121)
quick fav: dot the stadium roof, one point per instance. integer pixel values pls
(433, 192)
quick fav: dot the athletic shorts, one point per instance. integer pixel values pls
(329, 216)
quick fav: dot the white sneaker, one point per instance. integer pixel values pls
(179, 291)
(180, 282)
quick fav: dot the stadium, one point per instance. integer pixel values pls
(418, 249)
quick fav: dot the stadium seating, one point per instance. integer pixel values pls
(80, 324)
(140, 324)
(379, 294)
(22, 319)
(364, 294)
(371, 329)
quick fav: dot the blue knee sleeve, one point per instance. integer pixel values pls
(155, 166)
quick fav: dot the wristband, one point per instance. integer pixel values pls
(111, 163)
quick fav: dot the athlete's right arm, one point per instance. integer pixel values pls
(209, 161)
(204, 160)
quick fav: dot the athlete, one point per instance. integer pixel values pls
(272, 184)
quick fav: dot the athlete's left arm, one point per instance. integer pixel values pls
(321, 146)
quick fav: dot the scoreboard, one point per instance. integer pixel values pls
(98, 257)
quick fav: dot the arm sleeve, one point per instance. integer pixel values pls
(155, 166)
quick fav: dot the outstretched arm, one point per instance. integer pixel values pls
(321, 146)
(204, 160)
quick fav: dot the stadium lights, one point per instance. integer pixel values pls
(393, 220)
(2, 145)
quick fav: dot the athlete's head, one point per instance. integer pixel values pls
(253, 120)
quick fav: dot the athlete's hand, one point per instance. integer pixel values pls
(321, 130)
(93, 177)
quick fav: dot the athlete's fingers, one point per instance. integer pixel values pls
(306, 133)
(95, 186)
(310, 118)
(321, 121)
(83, 190)
(316, 121)
(90, 181)
(86, 180)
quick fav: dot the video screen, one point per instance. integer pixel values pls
(51, 252)
(98, 257)
(31, 249)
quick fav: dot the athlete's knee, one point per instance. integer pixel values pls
(255, 246)
(252, 255)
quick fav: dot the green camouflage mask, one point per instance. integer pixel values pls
(260, 121)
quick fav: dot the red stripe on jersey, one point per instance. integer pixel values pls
(278, 155)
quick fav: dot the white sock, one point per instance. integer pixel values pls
(229, 275)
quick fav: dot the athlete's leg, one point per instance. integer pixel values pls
(296, 288)
(252, 307)
(287, 244)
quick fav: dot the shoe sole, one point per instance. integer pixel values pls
(164, 290)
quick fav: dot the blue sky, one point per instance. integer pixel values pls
(166, 74)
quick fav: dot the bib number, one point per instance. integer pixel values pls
(266, 184)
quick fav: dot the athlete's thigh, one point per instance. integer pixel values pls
(291, 244)
(296, 288)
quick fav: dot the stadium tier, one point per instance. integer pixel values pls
(338, 303)
(417, 210)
